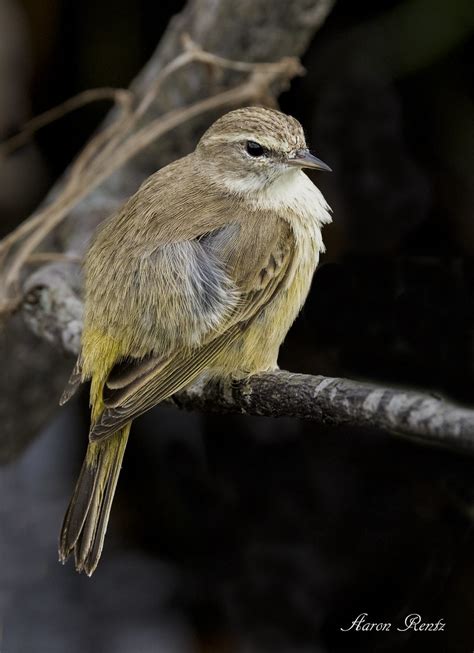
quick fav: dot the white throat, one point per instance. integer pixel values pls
(291, 191)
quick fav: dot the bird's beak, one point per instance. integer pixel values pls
(304, 159)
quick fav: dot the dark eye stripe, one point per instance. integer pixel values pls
(255, 149)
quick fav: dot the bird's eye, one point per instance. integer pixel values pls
(255, 149)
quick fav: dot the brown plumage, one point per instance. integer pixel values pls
(204, 269)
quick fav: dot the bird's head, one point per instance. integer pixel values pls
(250, 148)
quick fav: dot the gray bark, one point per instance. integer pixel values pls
(340, 402)
(32, 378)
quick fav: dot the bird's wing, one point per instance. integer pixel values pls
(136, 386)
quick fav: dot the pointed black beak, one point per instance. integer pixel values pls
(304, 159)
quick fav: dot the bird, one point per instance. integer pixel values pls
(202, 271)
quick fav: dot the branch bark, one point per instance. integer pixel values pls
(54, 312)
(339, 402)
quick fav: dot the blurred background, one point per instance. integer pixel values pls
(233, 534)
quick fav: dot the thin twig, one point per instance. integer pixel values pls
(124, 100)
(253, 89)
(117, 143)
(54, 257)
(51, 115)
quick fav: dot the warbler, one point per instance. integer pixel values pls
(203, 270)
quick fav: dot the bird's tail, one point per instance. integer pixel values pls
(87, 516)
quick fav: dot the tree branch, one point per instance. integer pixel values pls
(54, 312)
(339, 402)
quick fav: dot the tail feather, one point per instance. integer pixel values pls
(77, 511)
(87, 516)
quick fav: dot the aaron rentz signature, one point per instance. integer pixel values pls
(412, 621)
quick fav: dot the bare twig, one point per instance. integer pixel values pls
(118, 96)
(117, 143)
(53, 257)
(34, 230)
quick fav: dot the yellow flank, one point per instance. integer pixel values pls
(100, 352)
(257, 350)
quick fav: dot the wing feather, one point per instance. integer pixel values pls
(150, 384)
(156, 387)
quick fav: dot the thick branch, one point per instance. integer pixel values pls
(339, 402)
(54, 312)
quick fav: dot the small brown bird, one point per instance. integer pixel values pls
(204, 269)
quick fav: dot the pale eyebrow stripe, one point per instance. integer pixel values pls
(271, 143)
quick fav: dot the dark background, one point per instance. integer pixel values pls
(240, 534)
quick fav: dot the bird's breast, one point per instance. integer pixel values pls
(258, 348)
(297, 201)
